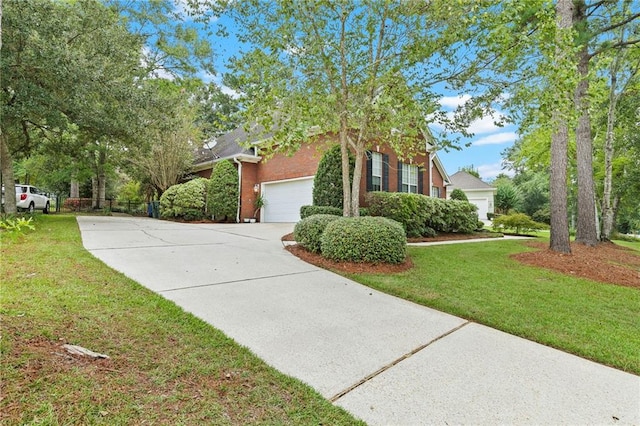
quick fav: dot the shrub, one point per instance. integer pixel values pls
(222, 199)
(190, 199)
(364, 239)
(308, 231)
(166, 202)
(461, 216)
(458, 194)
(185, 201)
(507, 198)
(518, 222)
(306, 211)
(417, 213)
(327, 185)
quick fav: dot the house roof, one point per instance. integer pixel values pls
(468, 182)
(229, 145)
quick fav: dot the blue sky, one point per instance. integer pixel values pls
(487, 144)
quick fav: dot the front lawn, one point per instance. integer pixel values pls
(479, 282)
(165, 367)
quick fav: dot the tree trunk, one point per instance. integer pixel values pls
(587, 229)
(8, 180)
(357, 177)
(559, 238)
(74, 192)
(608, 213)
(346, 185)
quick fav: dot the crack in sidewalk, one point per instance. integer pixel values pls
(236, 281)
(351, 388)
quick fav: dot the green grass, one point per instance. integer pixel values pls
(166, 366)
(481, 283)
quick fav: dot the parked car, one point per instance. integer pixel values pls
(30, 198)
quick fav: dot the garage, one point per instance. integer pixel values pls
(483, 206)
(283, 199)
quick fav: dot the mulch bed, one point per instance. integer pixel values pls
(606, 262)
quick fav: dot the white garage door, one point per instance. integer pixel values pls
(483, 206)
(283, 199)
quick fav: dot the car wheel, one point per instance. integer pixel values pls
(46, 209)
(32, 208)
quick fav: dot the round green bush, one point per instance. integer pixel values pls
(364, 239)
(309, 230)
(458, 194)
(327, 184)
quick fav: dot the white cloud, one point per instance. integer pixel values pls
(496, 139)
(488, 172)
(454, 102)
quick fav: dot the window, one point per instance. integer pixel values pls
(376, 171)
(409, 178)
(435, 191)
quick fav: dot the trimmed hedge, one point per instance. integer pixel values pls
(308, 231)
(421, 215)
(364, 239)
(186, 201)
(306, 211)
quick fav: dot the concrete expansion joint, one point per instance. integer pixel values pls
(351, 388)
(235, 281)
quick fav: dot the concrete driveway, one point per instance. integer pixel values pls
(386, 360)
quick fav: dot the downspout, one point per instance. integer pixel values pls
(430, 175)
(239, 163)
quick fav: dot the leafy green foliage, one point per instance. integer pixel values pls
(190, 200)
(223, 191)
(130, 192)
(17, 225)
(458, 194)
(517, 222)
(364, 239)
(186, 201)
(327, 184)
(308, 232)
(421, 215)
(507, 198)
(306, 211)
(166, 202)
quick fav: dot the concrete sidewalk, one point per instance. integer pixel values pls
(386, 360)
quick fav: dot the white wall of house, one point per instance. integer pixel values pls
(483, 199)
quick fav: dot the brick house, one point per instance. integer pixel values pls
(286, 182)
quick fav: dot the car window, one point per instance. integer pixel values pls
(35, 190)
(21, 189)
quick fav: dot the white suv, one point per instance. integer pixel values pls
(31, 198)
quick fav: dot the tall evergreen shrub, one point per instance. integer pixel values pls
(327, 185)
(222, 200)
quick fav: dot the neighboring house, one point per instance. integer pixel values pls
(477, 191)
(286, 182)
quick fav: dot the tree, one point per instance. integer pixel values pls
(69, 62)
(327, 184)
(471, 170)
(164, 153)
(364, 73)
(593, 24)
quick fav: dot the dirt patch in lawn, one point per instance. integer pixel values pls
(606, 262)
